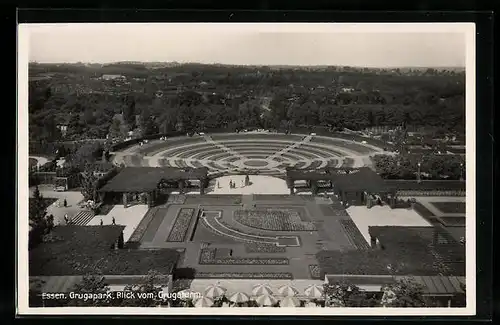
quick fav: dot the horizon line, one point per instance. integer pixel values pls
(252, 65)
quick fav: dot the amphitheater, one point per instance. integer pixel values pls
(262, 153)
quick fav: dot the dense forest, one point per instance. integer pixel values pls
(193, 97)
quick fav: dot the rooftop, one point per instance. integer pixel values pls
(81, 250)
(406, 251)
(357, 179)
(142, 179)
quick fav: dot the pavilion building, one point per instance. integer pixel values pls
(132, 183)
(353, 186)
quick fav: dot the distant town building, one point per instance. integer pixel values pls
(112, 77)
(347, 89)
(63, 128)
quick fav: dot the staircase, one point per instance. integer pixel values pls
(293, 146)
(209, 139)
(82, 218)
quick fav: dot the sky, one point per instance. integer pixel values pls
(374, 45)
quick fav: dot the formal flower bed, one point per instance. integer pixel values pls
(273, 219)
(176, 199)
(207, 256)
(354, 234)
(431, 193)
(143, 225)
(315, 271)
(244, 275)
(423, 211)
(181, 225)
(263, 248)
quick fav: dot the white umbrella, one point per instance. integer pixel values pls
(239, 297)
(290, 302)
(214, 291)
(314, 291)
(262, 289)
(204, 302)
(185, 294)
(288, 291)
(266, 300)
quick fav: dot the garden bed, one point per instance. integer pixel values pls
(273, 219)
(450, 207)
(423, 211)
(208, 257)
(244, 275)
(429, 193)
(315, 271)
(354, 235)
(142, 226)
(263, 248)
(181, 225)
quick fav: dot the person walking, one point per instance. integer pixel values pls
(66, 218)
(101, 222)
(65, 203)
(113, 221)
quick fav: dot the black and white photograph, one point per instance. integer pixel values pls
(203, 168)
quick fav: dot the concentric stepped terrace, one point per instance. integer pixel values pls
(267, 153)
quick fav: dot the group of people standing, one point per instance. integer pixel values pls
(232, 184)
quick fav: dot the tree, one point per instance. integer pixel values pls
(344, 294)
(86, 154)
(89, 183)
(40, 223)
(147, 293)
(91, 284)
(147, 124)
(75, 127)
(129, 112)
(35, 293)
(404, 293)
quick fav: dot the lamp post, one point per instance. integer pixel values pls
(418, 173)
(461, 171)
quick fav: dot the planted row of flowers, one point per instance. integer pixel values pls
(273, 219)
(431, 193)
(207, 256)
(143, 225)
(176, 199)
(263, 248)
(354, 234)
(181, 225)
(244, 275)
